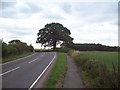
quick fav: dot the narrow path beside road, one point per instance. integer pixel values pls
(72, 78)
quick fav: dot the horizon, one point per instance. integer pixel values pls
(59, 46)
(89, 22)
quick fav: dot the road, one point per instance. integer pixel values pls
(25, 72)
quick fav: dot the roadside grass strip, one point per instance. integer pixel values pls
(58, 73)
(14, 57)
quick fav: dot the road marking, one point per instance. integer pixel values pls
(9, 71)
(18, 59)
(43, 54)
(41, 73)
(33, 60)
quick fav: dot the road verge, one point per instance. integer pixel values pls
(15, 57)
(57, 75)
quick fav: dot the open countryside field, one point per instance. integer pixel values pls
(107, 57)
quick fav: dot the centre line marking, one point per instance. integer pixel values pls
(33, 60)
(9, 71)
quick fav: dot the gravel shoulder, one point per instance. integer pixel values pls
(72, 78)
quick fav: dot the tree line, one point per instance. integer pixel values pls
(15, 47)
(94, 47)
(53, 34)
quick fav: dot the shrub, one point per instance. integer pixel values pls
(98, 72)
(74, 53)
(95, 73)
(81, 59)
(115, 77)
(15, 47)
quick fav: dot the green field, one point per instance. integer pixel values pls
(107, 57)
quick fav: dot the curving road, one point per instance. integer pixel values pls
(25, 72)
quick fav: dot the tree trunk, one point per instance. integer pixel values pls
(54, 45)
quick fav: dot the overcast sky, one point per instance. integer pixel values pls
(91, 21)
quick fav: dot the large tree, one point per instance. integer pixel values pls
(52, 34)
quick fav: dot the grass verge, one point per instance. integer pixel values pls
(95, 71)
(108, 58)
(58, 73)
(14, 57)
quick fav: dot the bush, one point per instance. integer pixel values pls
(98, 72)
(15, 47)
(74, 53)
(95, 73)
(11, 50)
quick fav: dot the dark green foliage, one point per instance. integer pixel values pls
(48, 50)
(65, 50)
(93, 47)
(15, 47)
(30, 48)
(11, 50)
(4, 48)
(98, 72)
(115, 77)
(52, 34)
(0, 49)
(81, 60)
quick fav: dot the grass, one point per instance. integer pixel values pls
(107, 57)
(96, 68)
(14, 57)
(58, 72)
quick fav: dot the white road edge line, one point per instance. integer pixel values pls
(33, 60)
(9, 71)
(42, 73)
(18, 59)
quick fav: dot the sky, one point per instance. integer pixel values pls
(90, 21)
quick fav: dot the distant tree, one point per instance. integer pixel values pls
(14, 41)
(52, 35)
(18, 45)
(4, 48)
(31, 48)
(15, 47)
(94, 47)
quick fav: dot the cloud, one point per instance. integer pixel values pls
(93, 22)
(96, 11)
(50, 16)
(28, 9)
(18, 9)
(5, 5)
(66, 7)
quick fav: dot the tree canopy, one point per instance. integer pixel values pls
(15, 47)
(52, 34)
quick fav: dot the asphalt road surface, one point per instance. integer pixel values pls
(25, 72)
